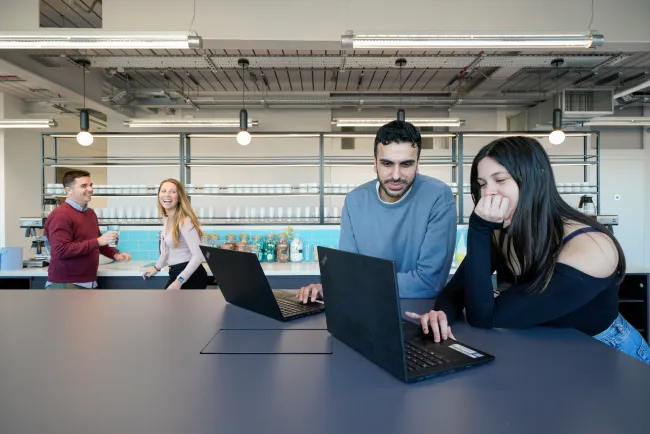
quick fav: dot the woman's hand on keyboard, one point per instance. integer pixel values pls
(437, 320)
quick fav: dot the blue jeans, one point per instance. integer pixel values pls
(622, 336)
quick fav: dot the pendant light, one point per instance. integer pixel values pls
(243, 137)
(557, 136)
(401, 114)
(84, 138)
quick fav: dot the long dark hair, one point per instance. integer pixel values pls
(537, 229)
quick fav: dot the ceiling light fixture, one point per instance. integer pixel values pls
(94, 39)
(27, 123)
(533, 135)
(350, 41)
(612, 121)
(557, 136)
(442, 122)
(187, 123)
(84, 138)
(243, 137)
(401, 114)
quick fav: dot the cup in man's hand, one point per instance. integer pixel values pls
(116, 229)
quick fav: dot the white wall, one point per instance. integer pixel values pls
(21, 151)
(20, 170)
(22, 15)
(2, 175)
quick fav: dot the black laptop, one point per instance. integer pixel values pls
(363, 312)
(243, 283)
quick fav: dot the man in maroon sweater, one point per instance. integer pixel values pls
(75, 239)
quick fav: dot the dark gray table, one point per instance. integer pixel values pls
(106, 362)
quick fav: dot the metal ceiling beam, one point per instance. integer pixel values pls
(81, 5)
(335, 62)
(338, 101)
(68, 85)
(210, 63)
(467, 70)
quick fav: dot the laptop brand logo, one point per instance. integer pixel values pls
(324, 260)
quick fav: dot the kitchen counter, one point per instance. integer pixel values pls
(133, 268)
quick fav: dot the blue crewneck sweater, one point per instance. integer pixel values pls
(418, 233)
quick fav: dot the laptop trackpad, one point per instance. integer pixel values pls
(274, 341)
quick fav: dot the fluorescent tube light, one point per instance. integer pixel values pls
(97, 39)
(187, 123)
(27, 123)
(585, 40)
(442, 122)
(533, 135)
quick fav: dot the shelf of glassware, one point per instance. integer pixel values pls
(311, 189)
(565, 189)
(52, 191)
(558, 160)
(307, 161)
(362, 160)
(221, 221)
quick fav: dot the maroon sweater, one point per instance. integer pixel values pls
(74, 248)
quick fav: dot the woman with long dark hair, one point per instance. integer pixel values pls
(555, 266)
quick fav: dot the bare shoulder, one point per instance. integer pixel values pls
(593, 253)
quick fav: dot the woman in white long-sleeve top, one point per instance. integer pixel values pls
(180, 240)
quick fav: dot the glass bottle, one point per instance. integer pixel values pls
(296, 250)
(269, 248)
(241, 247)
(257, 241)
(255, 249)
(282, 249)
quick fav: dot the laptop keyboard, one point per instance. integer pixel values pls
(418, 358)
(291, 308)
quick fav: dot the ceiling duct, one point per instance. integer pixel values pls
(578, 105)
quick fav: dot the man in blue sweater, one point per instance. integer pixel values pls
(402, 216)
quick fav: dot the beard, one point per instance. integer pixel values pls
(395, 193)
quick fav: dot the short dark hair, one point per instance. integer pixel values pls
(398, 132)
(70, 177)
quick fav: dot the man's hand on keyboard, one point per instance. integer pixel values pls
(438, 322)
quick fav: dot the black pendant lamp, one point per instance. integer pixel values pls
(557, 135)
(243, 137)
(84, 138)
(400, 62)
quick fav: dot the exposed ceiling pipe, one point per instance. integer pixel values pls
(99, 122)
(631, 90)
(323, 101)
(468, 69)
(634, 77)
